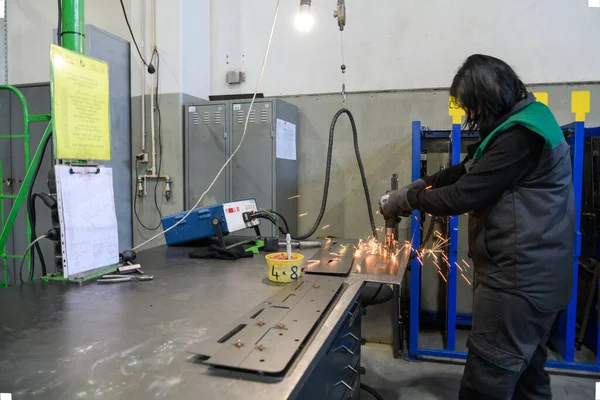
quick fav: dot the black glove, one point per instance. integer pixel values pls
(396, 202)
(216, 251)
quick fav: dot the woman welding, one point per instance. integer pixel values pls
(516, 185)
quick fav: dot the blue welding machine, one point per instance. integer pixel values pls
(216, 220)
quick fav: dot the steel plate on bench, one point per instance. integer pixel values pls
(268, 338)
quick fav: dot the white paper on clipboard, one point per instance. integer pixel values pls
(88, 220)
(286, 140)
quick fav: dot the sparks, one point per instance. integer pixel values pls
(302, 215)
(466, 263)
(325, 227)
(428, 187)
(443, 277)
(465, 278)
(294, 197)
(461, 270)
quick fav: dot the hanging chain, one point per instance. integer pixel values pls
(343, 68)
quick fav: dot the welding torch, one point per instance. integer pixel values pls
(392, 220)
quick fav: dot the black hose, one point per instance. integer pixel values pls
(371, 391)
(31, 212)
(281, 219)
(328, 174)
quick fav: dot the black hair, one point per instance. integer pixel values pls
(487, 88)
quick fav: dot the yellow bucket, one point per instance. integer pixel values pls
(284, 270)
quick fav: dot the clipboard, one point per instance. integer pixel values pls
(88, 220)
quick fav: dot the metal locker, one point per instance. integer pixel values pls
(252, 166)
(206, 151)
(256, 170)
(214, 130)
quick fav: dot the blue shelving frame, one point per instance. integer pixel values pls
(564, 335)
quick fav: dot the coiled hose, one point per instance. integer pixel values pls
(328, 174)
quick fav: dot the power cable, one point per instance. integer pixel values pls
(262, 70)
(31, 214)
(135, 201)
(371, 391)
(25, 256)
(160, 153)
(59, 25)
(160, 149)
(150, 67)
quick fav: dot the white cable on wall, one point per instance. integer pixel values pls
(262, 70)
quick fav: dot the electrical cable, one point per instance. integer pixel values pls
(282, 219)
(328, 174)
(160, 149)
(135, 201)
(371, 391)
(59, 25)
(262, 70)
(160, 153)
(25, 256)
(31, 210)
(425, 241)
(150, 67)
(38, 250)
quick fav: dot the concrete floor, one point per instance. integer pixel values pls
(399, 379)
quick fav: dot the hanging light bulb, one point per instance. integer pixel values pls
(304, 19)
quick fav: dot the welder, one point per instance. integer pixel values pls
(516, 185)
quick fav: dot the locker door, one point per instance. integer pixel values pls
(252, 167)
(205, 153)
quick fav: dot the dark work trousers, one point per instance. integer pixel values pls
(507, 348)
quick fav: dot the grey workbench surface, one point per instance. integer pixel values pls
(130, 340)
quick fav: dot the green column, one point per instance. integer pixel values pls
(72, 25)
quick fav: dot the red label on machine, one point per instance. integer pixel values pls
(229, 211)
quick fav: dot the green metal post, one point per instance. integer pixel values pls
(72, 25)
(3, 248)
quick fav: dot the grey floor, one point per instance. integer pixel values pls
(400, 379)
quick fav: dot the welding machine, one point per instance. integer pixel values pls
(216, 220)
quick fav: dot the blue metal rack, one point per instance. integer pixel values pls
(564, 335)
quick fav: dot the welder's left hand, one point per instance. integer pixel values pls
(395, 202)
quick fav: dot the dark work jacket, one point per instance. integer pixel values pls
(524, 241)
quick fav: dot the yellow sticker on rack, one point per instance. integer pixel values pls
(580, 105)
(455, 110)
(80, 106)
(541, 97)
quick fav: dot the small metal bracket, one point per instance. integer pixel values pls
(343, 383)
(342, 347)
(351, 368)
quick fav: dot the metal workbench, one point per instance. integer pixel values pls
(130, 340)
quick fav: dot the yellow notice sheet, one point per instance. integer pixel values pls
(80, 106)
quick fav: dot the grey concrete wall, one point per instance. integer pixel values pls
(384, 125)
(171, 106)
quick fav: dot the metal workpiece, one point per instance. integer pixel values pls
(335, 258)
(131, 340)
(268, 338)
